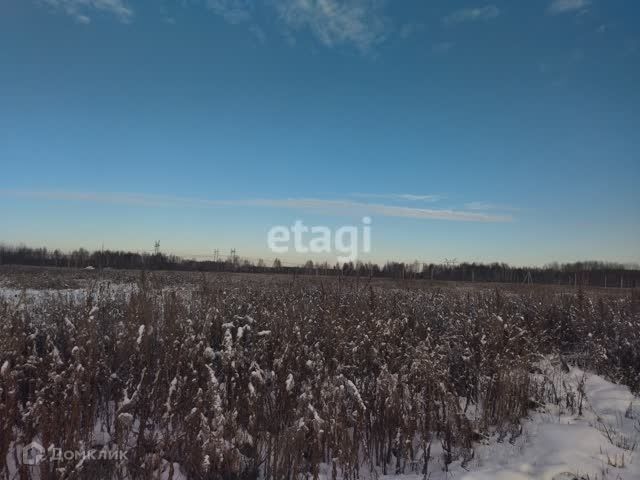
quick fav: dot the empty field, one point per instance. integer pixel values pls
(240, 376)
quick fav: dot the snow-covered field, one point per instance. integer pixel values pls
(580, 425)
(602, 443)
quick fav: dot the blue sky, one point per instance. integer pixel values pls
(486, 131)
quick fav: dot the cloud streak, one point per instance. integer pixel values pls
(400, 196)
(331, 22)
(343, 206)
(80, 9)
(233, 11)
(566, 6)
(316, 205)
(480, 206)
(336, 22)
(487, 12)
(359, 23)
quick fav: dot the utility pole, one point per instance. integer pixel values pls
(450, 264)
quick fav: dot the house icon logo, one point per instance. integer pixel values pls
(33, 454)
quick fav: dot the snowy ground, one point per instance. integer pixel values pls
(97, 290)
(601, 444)
(554, 443)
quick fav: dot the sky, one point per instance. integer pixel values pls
(483, 131)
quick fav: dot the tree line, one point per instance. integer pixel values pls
(588, 273)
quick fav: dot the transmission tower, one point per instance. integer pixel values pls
(450, 262)
(156, 247)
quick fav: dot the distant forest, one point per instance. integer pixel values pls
(588, 273)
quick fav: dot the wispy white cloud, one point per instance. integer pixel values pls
(81, 10)
(238, 12)
(233, 11)
(400, 196)
(565, 6)
(336, 22)
(85, 20)
(339, 207)
(472, 14)
(345, 206)
(332, 22)
(359, 23)
(480, 206)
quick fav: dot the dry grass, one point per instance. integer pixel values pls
(241, 376)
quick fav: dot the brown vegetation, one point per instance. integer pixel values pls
(237, 376)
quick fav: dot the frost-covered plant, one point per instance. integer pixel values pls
(239, 378)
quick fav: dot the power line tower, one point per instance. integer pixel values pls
(449, 265)
(156, 247)
(216, 255)
(233, 257)
(450, 262)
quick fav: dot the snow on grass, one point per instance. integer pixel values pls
(601, 444)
